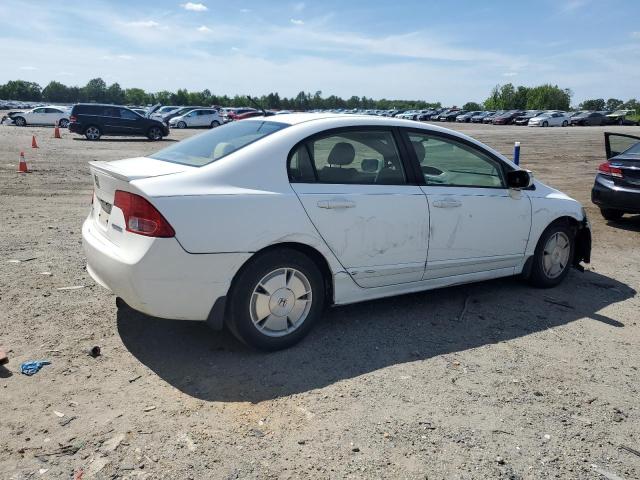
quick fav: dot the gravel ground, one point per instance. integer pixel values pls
(526, 384)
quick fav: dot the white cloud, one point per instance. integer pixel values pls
(204, 29)
(143, 24)
(194, 7)
(509, 74)
(635, 34)
(245, 10)
(28, 67)
(296, 21)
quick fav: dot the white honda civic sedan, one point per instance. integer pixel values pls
(261, 223)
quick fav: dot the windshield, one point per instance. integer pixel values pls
(217, 143)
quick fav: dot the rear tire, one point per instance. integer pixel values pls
(92, 133)
(565, 123)
(215, 124)
(611, 213)
(275, 300)
(553, 256)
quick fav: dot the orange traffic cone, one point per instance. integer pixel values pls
(56, 132)
(22, 168)
(33, 142)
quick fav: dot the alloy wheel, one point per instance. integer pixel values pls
(556, 255)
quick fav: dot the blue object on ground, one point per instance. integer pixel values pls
(33, 367)
(516, 153)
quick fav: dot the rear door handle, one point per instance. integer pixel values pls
(336, 203)
(447, 203)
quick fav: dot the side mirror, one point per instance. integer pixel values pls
(519, 179)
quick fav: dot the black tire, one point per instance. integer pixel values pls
(92, 132)
(154, 134)
(545, 124)
(181, 124)
(20, 121)
(611, 213)
(621, 121)
(565, 123)
(539, 276)
(215, 124)
(586, 123)
(244, 290)
(63, 123)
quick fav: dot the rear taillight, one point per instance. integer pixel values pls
(141, 217)
(607, 169)
(72, 118)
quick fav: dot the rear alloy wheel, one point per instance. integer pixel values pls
(565, 123)
(276, 299)
(19, 121)
(64, 123)
(215, 124)
(92, 133)
(181, 124)
(611, 213)
(155, 133)
(553, 256)
(545, 124)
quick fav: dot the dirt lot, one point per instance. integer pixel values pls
(528, 384)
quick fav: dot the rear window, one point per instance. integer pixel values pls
(217, 143)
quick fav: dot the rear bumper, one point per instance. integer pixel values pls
(606, 194)
(75, 127)
(160, 279)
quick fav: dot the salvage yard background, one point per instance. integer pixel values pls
(493, 380)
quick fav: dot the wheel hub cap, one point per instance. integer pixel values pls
(280, 302)
(556, 254)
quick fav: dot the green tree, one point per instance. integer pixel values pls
(548, 97)
(21, 90)
(96, 90)
(613, 104)
(56, 92)
(115, 94)
(135, 96)
(471, 106)
(593, 104)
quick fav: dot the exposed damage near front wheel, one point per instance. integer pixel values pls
(583, 244)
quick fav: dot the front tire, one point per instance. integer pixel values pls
(553, 256)
(19, 121)
(545, 124)
(154, 134)
(611, 213)
(276, 299)
(92, 133)
(181, 124)
(64, 123)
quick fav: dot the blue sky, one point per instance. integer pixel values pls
(451, 51)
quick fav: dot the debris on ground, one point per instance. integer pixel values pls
(95, 351)
(32, 367)
(4, 358)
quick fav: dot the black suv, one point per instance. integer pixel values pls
(94, 120)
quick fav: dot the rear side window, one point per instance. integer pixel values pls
(87, 110)
(367, 157)
(217, 143)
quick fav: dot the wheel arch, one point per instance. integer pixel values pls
(582, 238)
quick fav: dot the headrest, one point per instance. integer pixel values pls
(342, 153)
(222, 149)
(420, 151)
(369, 165)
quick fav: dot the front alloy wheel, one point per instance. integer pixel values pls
(275, 299)
(181, 124)
(155, 133)
(19, 121)
(64, 123)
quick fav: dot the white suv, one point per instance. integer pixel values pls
(200, 117)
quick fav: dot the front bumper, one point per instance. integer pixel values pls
(157, 276)
(606, 194)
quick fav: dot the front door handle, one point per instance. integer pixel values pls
(447, 203)
(336, 203)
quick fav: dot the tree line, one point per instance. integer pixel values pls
(502, 97)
